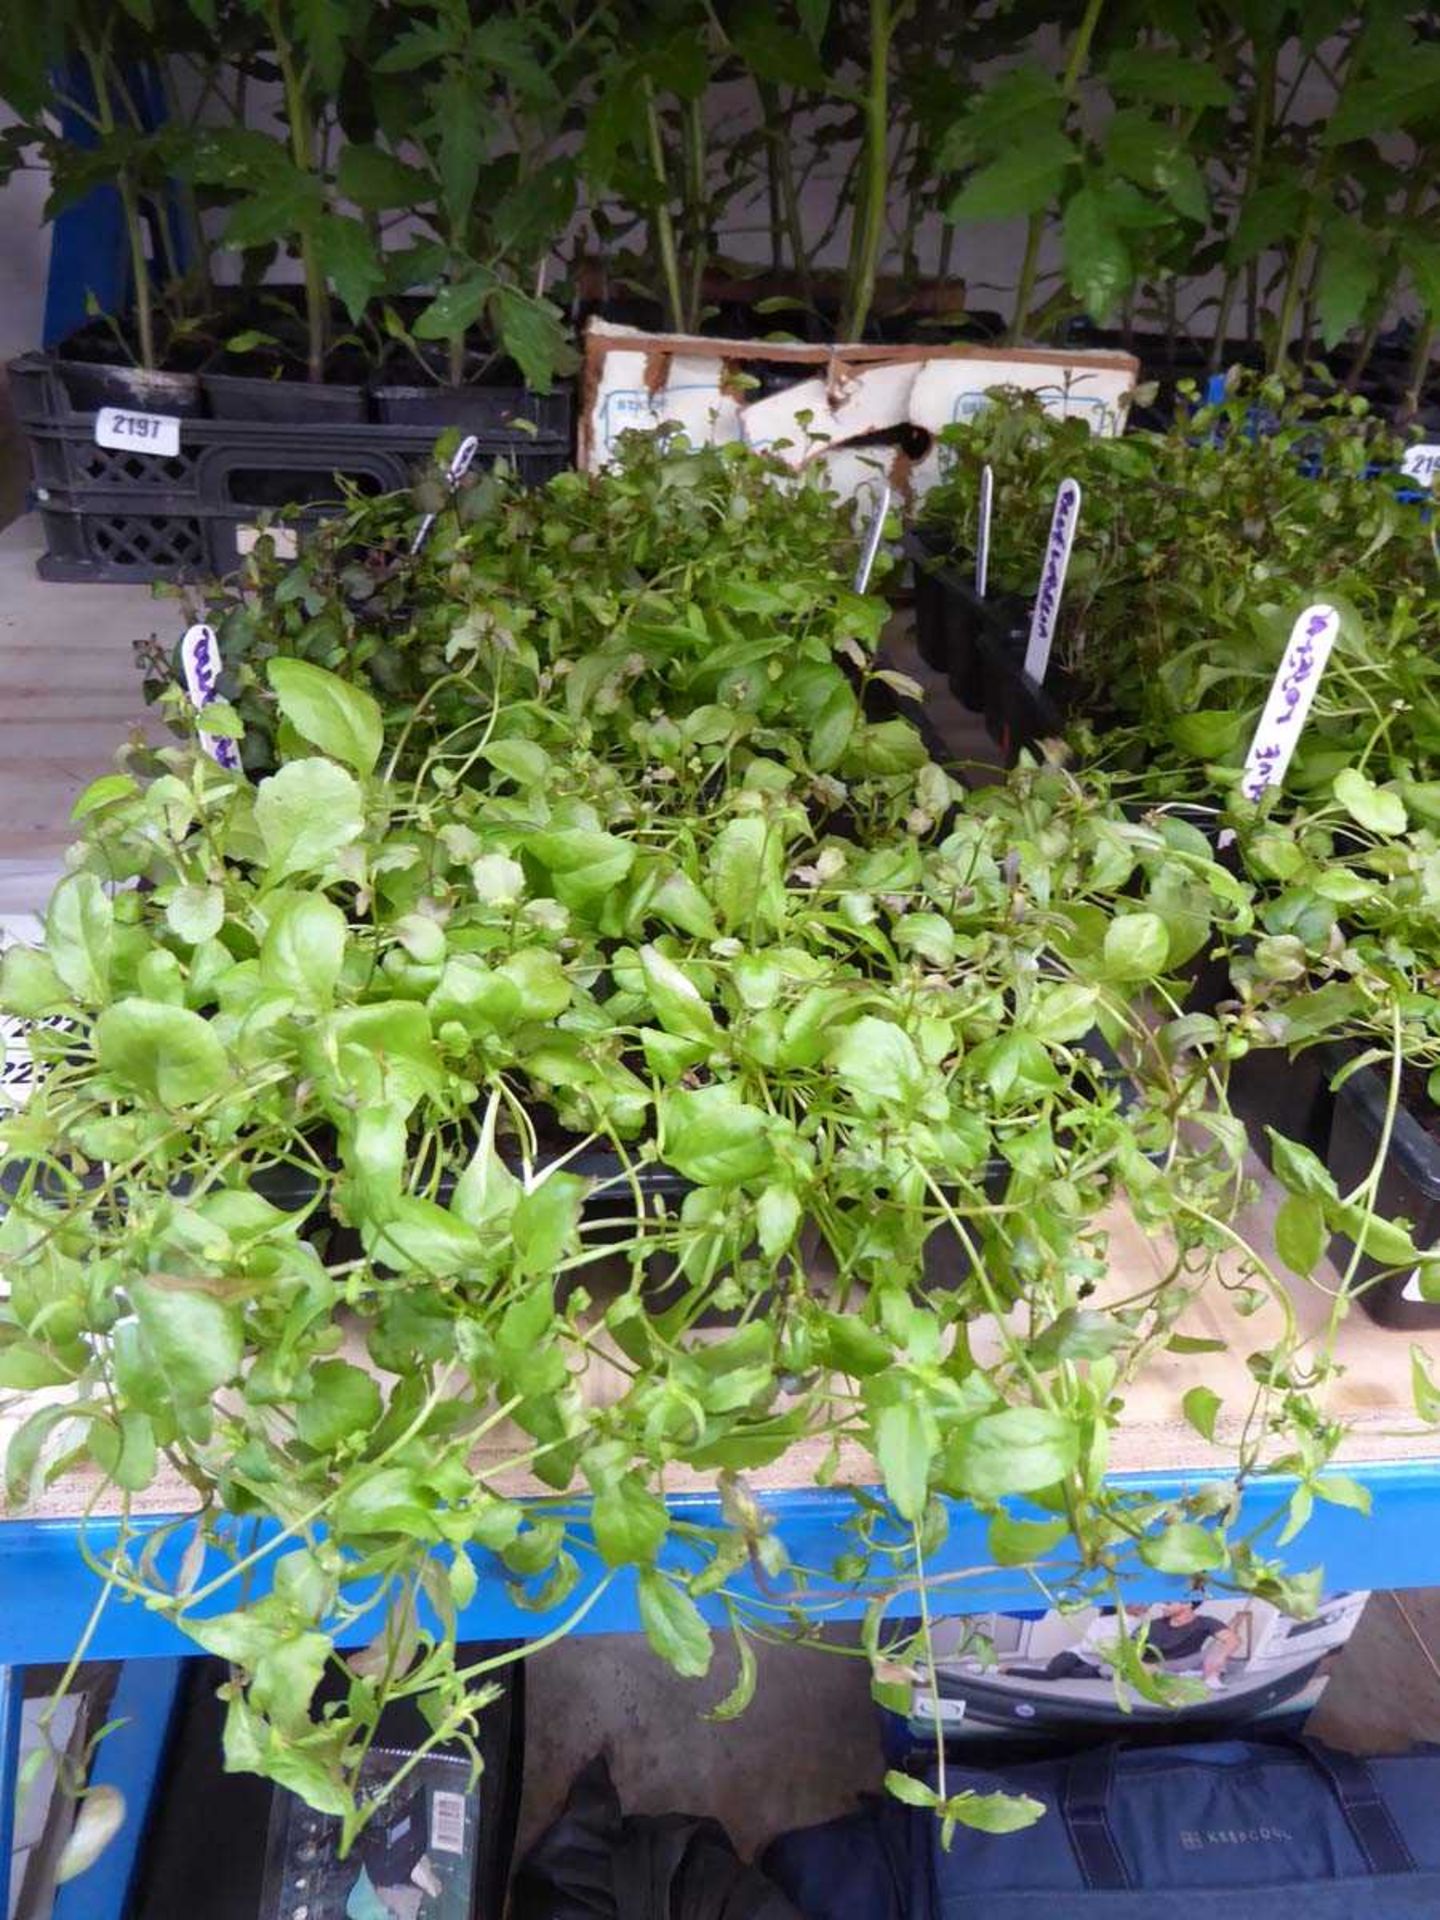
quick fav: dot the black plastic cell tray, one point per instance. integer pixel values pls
(980, 645)
(1409, 1185)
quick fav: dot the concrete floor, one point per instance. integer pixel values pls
(809, 1743)
(69, 698)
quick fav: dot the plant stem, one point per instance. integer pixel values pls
(130, 207)
(696, 222)
(1035, 230)
(664, 225)
(302, 152)
(870, 207)
(1254, 159)
(1291, 293)
(1419, 367)
(784, 173)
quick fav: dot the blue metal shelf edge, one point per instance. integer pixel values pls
(49, 1591)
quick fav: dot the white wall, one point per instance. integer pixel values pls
(24, 258)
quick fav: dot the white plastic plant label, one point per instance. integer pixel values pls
(1292, 693)
(982, 530)
(1421, 463)
(128, 432)
(200, 665)
(873, 536)
(1046, 611)
(456, 471)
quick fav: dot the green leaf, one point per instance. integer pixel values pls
(29, 984)
(343, 1401)
(195, 914)
(1201, 1406)
(778, 1214)
(385, 1500)
(744, 871)
(457, 307)
(291, 202)
(196, 1341)
(678, 1003)
(1079, 1333)
(1299, 1170)
(1351, 262)
(674, 1625)
(80, 936)
(1137, 946)
(1064, 1012)
(1097, 261)
(26, 1368)
(1019, 1543)
(1018, 1450)
(303, 951)
(322, 29)
(1341, 1491)
(992, 1812)
(711, 1136)
(1268, 216)
(1301, 1235)
(584, 864)
(99, 793)
(1166, 78)
(410, 1233)
(1379, 809)
(1423, 1388)
(306, 813)
(629, 1522)
(914, 1793)
(904, 1446)
(376, 181)
(877, 1063)
(743, 1691)
(342, 720)
(100, 1817)
(534, 334)
(1183, 1547)
(545, 1222)
(1026, 179)
(165, 1052)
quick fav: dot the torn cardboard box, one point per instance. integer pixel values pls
(864, 413)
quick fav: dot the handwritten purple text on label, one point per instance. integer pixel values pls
(200, 664)
(1292, 692)
(1046, 611)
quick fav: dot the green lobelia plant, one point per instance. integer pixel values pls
(306, 1207)
(1196, 550)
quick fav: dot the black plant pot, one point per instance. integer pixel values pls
(1409, 1188)
(89, 385)
(1268, 1087)
(482, 410)
(242, 396)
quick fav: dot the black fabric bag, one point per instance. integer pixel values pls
(595, 1864)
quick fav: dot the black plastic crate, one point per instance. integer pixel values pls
(129, 516)
(117, 539)
(1409, 1187)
